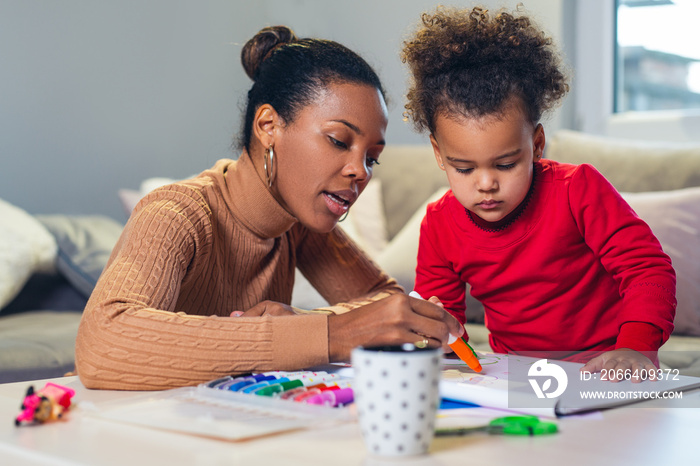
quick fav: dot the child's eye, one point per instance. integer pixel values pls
(338, 143)
(506, 166)
(464, 171)
(371, 161)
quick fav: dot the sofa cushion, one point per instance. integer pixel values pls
(366, 222)
(37, 345)
(674, 217)
(630, 166)
(46, 291)
(26, 247)
(84, 246)
(399, 258)
(409, 175)
(682, 353)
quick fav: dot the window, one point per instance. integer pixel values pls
(657, 67)
(599, 26)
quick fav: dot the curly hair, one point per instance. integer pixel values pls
(471, 63)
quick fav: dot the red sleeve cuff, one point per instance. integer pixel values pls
(639, 336)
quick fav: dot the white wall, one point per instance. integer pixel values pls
(98, 95)
(377, 28)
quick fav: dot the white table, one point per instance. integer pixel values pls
(632, 435)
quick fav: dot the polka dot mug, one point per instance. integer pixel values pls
(397, 395)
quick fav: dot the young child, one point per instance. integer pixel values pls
(559, 260)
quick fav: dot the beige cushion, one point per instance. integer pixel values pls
(409, 175)
(366, 223)
(681, 352)
(629, 165)
(399, 258)
(674, 217)
(304, 295)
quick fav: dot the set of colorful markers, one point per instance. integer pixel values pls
(317, 388)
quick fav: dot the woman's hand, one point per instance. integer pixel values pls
(266, 308)
(394, 320)
(622, 360)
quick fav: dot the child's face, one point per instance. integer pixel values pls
(488, 161)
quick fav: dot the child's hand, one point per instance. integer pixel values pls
(620, 362)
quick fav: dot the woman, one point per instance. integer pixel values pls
(200, 282)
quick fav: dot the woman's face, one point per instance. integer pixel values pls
(324, 157)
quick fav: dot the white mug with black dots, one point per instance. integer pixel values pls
(397, 395)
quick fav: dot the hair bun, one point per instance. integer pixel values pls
(258, 48)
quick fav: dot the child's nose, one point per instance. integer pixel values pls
(487, 181)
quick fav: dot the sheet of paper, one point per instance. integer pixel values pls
(492, 387)
(488, 388)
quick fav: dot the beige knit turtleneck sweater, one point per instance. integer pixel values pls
(192, 253)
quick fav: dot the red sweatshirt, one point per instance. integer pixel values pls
(577, 270)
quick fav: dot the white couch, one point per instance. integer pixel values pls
(40, 312)
(660, 181)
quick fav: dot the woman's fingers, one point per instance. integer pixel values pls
(394, 320)
(434, 310)
(436, 300)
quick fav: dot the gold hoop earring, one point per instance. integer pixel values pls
(344, 216)
(269, 171)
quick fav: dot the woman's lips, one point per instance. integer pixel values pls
(338, 202)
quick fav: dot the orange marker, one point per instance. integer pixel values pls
(459, 345)
(465, 352)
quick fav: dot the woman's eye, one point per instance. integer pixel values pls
(371, 161)
(338, 143)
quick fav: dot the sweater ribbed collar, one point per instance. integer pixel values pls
(253, 203)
